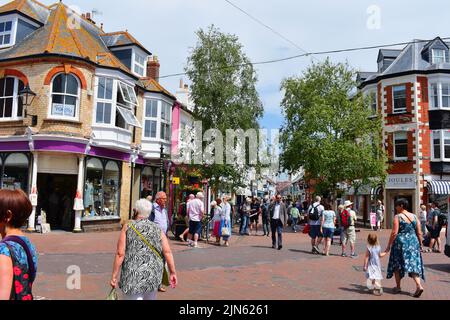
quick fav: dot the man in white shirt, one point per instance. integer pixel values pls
(196, 210)
(278, 220)
(314, 219)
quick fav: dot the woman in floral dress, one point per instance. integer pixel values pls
(405, 248)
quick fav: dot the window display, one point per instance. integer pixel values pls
(101, 192)
(146, 182)
(15, 171)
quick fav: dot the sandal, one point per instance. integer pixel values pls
(418, 293)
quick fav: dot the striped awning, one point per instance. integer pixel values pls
(376, 191)
(438, 187)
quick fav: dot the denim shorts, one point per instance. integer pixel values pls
(195, 227)
(435, 233)
(328, 233)
(314, 232)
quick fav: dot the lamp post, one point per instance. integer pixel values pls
(161, 166)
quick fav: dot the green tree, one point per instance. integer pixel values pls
(329, 129)
(223, 90)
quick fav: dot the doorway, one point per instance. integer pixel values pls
(56, 197)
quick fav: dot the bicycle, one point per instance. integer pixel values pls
(206, 221)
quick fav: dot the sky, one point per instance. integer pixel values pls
(167, 28)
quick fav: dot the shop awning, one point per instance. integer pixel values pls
(376, 191)
(438, 187)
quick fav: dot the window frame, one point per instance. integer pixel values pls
(136, 63)
(165, 122)
(395, 138)
(12, 33)
(150, 118)
(441, 134)
(439, 83)
(78, 101)
(15, 104)
(104, 101)
(434, 56)
(405, 110)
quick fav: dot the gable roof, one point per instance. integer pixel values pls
(151, 85)
(121, 39)
(30, 8)
(429, 44)
(57, 38)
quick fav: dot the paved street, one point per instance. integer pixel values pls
(247, 270)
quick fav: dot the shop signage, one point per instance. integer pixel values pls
(401, 181)
(176, 180)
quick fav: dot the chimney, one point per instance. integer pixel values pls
(153, 68)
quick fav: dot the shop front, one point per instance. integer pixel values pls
(15, 170)
(439, 191)
(397, 187)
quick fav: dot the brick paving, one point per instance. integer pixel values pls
(249, 269)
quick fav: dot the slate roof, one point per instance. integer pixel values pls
(57, 37)
(410, 59)
(151, 85)
(31, 8)
(120, 39)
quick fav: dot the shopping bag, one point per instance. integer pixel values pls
(306, 229)
(165, 280)
(112, 295)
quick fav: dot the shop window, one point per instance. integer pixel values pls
(156, 185)
(15, 172)
(101, 196)
(11, 107)
(65, 96)
(146, 182)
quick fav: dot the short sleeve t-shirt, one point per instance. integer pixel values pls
(321, 209)
(329, 216)
(19, 252)
(295, 213)
(196, 209)
(434, 213)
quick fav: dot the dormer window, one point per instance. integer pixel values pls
(6, 33)
(438, 56)
(139, 64)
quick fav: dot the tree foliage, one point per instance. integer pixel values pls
(329, 129)
(223, 90)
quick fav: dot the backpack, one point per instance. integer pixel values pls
(314, 213)
(442, 219)
(346, 219)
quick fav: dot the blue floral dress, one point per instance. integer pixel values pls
(405, 253)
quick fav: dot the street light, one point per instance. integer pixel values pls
(161, 165)
(26, 95)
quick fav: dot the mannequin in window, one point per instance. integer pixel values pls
(88, 197)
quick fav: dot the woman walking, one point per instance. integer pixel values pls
(405, 248)
(327, 227)
(226, 221)
(140, 251)
(217, 219)
(18, 257)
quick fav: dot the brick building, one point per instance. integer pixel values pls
(96, 125)
(411, 90)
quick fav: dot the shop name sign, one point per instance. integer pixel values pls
(401, 181)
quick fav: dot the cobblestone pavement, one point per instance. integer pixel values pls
(247, 270)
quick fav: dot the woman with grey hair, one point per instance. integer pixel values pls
(141, 250)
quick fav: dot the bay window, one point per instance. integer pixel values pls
(441, 145)
(165, 121)
(150, 118)
(401, 145)
(65, 96)
(399, 98)
(116, 102)
(11, 107)
(439, 95)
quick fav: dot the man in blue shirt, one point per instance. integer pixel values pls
(159, 212)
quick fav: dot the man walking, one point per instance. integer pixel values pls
(266, 216)
(314, 219)
(160, 217)
(278, 219)
(246, 210)
(348, 220)
(254, 214)
(295, 215)
(434, 228)
(196, 210)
